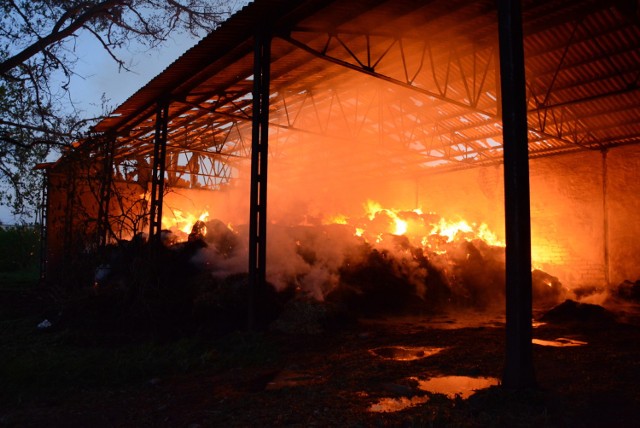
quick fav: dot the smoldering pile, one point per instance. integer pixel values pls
(330, 265)
(322, 274)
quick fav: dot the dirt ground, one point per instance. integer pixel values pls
(348, 377)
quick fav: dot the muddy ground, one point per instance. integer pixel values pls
(343, 377)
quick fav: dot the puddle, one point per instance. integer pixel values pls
(560, 342)
(405, 353)
(388, 405)
(289, 378)
(453, 321)
(470, 320)
(452, 386)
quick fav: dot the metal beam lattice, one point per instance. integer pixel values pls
(158, 171)
(418, 75)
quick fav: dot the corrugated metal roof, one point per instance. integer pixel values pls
(430, 68)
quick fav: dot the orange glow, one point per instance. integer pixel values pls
(372, 209)
(339, 219)
(421, 229)
(397, 225)
(182, 221)
(451, 229)
(400, 227)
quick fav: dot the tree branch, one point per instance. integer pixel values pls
(107, 48)
(54, 37)
(36, 128)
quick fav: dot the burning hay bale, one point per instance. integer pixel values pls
(474, 272)
(376, 283)
(321, 275)
(219, 235)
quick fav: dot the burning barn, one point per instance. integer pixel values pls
(375, 130)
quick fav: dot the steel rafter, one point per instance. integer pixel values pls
(474, 82)
(426, 66)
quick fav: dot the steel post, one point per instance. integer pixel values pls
(259, 158)
(44, 212)
(105, 191)
(518, 371)
(158, 171)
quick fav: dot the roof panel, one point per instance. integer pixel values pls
(408, 73)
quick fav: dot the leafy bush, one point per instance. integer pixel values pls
(19, 248)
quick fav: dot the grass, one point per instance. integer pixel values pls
(90, 353)
(35, 363)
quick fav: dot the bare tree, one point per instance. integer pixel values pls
(38, 41)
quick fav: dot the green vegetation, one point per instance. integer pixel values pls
(90, 346)
(19, 254)
(36, 362)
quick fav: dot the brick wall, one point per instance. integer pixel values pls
(567, 212)
(623, 206)
(567, 220)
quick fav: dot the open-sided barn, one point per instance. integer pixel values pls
(411, 104)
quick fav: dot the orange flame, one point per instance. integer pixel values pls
(414, 225)
(181, 221)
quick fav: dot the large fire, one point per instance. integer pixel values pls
(181, 223)
(426, 230)
(380, 260)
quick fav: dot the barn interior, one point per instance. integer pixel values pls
(381, 125)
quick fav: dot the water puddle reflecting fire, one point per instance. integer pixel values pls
(387, 405)
(452, 386)
(405, 353)
(560, 342)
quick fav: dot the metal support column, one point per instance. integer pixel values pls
(518, 371)
(259, 156)
(605, 218)
(69, 235)
(158, 171)
(105, 192)
(44, 211)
